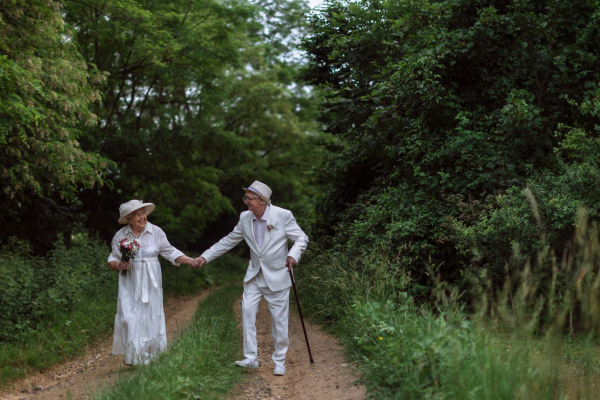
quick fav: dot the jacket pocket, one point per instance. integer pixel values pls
(279, 263)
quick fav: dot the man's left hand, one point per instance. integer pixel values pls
(290, 263)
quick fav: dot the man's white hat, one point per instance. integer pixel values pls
(262, 190)
(127, 208)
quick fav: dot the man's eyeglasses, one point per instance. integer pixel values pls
(248, 199)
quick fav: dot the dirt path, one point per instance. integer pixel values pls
(97, 367)
(329, 378)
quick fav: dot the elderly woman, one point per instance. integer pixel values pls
(140, 331)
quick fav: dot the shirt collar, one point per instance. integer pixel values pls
(265, 216)
(147, 228)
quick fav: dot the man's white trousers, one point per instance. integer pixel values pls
(279, 306)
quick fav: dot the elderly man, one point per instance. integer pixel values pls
(266, 228)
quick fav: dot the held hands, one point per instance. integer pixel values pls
(194, 262)
(199, 262)
(187, 260)
(290, 263)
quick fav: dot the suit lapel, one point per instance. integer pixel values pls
(250, 228)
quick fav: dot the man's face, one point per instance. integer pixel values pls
(138, 219)
(254, 203)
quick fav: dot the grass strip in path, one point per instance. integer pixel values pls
(199, 364)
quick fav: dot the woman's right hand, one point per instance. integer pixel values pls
(122, 265)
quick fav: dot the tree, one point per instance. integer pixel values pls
(438, 106)
(47, 91)
(197, 101)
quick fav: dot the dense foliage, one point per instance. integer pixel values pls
(52, 307)
(444, 113)
(45, 98)
(197, 104)
(180, 103)
(46, 93)
(34, 288)
(434, 350)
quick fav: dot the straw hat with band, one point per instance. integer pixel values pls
(262, 190)
(127, 208)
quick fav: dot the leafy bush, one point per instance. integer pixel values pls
(409, 352)
(335, 282)
(543, 214)
(34, 288)
(406, 223)
(435, 349)
(51, 307)
(439, 105)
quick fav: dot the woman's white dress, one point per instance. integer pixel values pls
(140, 332)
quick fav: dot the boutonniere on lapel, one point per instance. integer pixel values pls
(269, 227)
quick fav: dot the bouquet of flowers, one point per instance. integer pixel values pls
(129, 248)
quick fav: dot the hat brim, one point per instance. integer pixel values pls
(268, 201)
(149, 207)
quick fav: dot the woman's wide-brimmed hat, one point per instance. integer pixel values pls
(262, 190)
(127, 208)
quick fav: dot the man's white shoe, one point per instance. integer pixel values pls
(279, 370)
(247, 363)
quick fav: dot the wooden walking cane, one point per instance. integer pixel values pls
(300, 312)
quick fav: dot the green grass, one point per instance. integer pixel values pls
(61, 332)
(198, 364)
(409, 352)
(435, 350)
(61, 338)
(52, 306)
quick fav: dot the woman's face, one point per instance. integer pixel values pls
(138, 219)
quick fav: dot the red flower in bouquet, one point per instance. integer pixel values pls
(129, 248)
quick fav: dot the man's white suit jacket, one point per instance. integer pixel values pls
(281, 226)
